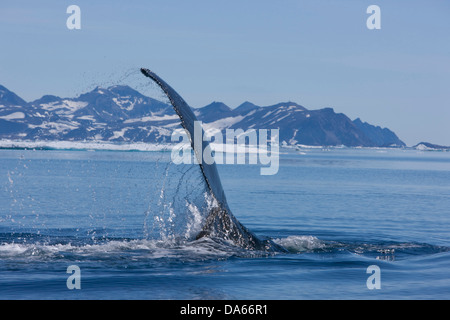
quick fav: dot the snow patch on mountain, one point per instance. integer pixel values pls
(14, 116)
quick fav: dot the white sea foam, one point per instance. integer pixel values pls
(138, 249)
(301, 243)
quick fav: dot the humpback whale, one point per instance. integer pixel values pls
(219, 222)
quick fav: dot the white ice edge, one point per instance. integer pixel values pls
(142, 146)
(109, 146)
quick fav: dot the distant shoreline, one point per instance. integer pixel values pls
(167, 147)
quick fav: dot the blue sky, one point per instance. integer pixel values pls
(318, 53)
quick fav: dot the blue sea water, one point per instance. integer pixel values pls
(337, 211)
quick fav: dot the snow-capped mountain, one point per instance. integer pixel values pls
(298, 125)
(427, 146)
(122, 114)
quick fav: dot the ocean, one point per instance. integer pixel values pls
(356, 223)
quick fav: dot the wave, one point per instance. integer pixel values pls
(133, 249)
(379, 250)
(298, 244)
(197, 250)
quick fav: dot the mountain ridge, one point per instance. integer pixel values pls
(427, 146)
(122, 114)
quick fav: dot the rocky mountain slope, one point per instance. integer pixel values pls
(122, 114)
